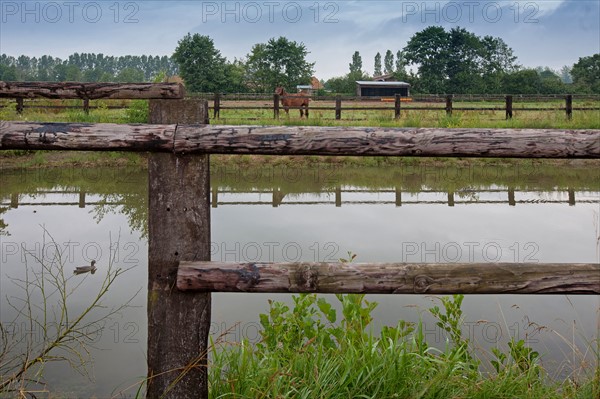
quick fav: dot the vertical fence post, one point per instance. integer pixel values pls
(511, 196)
(509, 108)
(398, 196)
(178, 230)
(338, 197)
(571, 197)
(217, 106)
(397, 105)
(86, 105)
(569, 105)
(20, 105)
(338, 107)
(276, 106)
(449, 105)
(81, 199)
(450, 198)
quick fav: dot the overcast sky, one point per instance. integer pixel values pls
(541, 33)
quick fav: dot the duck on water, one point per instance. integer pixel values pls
(86, 269)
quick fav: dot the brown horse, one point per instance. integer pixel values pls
(293, 100)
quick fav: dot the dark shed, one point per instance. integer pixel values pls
(368, 88)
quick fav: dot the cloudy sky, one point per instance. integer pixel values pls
(541, 33)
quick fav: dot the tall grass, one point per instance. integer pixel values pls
(305, 352)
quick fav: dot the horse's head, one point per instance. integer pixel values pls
(280, 91)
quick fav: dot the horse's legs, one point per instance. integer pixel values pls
(306, 111)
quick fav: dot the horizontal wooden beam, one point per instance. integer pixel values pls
(91, 91)
(302, 140)
(391, 278)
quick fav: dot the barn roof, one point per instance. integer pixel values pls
(382, 84)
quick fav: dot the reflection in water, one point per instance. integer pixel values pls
(521, 212)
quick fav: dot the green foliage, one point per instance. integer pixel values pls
(377, 65)
(200, 64)
(279, 62)
(138, 112)
(306, 352)
(87, 67)
(586, 74)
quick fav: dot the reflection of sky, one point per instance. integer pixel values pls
(376, 233)
(548, 33)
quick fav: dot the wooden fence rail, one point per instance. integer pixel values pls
(391, 278)
(302, 140)
(88, 91)
(448, 107)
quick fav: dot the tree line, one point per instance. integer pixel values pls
(434, 61)
(86, 67)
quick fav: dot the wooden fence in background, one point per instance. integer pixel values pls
(180, 274)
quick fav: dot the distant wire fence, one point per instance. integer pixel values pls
(240, 105)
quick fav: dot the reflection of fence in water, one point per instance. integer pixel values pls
(400, 198)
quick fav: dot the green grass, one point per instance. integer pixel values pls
(305, 352)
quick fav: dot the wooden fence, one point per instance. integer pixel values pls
(398, 108)
(179, 220)
(86, 92)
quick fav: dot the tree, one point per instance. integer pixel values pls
(356, 64)
(586, 74)
(129, 75)
(565, 74)
(279, 62)
(388, 62)
(201, 65)
(377, 70)
(458, 61)
(428, 50)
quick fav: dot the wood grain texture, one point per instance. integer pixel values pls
(391, 278)
(178, 229)
(92, 91)
(303, 140)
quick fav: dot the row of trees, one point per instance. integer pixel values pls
(86, 67)
(433, 61)
(279, 62)
(457, 61)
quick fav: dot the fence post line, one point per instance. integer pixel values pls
(338, 107)
(449, 105)
(178, 230)
(397, 105)
(509, 107)
(569, 106)
(20, 105)
(217, 106)
(276, 106)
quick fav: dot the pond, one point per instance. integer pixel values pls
(460, 212)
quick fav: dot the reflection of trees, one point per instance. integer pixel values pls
(3, 225)
(124, 189)
(133, 206)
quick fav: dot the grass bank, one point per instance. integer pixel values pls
(306, 352)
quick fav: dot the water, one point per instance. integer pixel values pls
(464, 213)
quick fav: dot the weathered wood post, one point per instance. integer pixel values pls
(276, 106)
(20, 105)
(217, 106)
(86, 105)
(81, 203)
(449, 105)
(178, 230)
(569, 106)
(338, 107)
(397, 105)
(398, 196)
(509, 107)
(338, 197)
